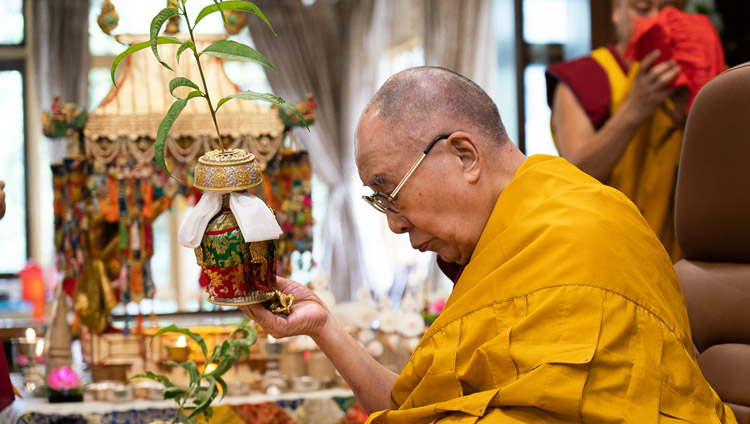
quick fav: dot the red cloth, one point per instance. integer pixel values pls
(6, 389)
(688, 38)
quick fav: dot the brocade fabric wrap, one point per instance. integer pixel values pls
(236, 269)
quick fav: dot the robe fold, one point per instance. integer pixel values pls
(647, 169)
(568, 311)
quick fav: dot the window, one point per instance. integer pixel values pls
(12, 17)
(12, 164)
(14, 226)
(550, 31)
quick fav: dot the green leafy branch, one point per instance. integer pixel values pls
(202, 390)
(223, 49)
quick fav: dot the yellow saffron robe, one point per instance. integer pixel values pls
(568, 311)
(647, 170)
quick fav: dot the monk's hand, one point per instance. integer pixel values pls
(309, 315)
(677, 109)
(651, 86)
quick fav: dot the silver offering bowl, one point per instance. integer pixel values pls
(25, 353)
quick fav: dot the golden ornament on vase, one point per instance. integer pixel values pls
(227, 170)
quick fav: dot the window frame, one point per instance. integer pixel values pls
(15, 57)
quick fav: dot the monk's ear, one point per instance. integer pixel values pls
(464, 147)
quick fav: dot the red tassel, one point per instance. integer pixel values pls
(111, 212)
(148, 206)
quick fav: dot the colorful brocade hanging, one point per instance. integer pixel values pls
(69, 204)
(130, 204)
(286, 188)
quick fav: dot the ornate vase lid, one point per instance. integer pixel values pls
(227, 170)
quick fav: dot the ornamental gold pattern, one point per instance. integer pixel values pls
(200, 176)
(228, 170)
(243, 176)
(258, 251)
(219, 177)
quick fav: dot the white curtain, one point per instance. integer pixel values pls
(61, 37)
(310, 55)
(458, 36)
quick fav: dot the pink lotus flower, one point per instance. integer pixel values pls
(436, 306)
(63, 379)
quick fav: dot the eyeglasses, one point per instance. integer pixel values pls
(385, 202)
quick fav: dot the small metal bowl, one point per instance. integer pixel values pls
(120, 393)
(305, 383)
(100, 390)
(148, 389)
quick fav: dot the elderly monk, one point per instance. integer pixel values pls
(610, 118)
(567, 308)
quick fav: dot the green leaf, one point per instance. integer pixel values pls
(188, 44)
(214, 355)
(182, 82)
(243, 6)
(192, 369)
(209, 396)
(223, 18)
(229, 49)
(156, 377)
(247, 342)
(223, 366)
(190, 366)
(270, 98)
(173, 328)
(136, 47)
(156, 25)
(223, 385)
(174, 392)
(226, 349)
(175, 2)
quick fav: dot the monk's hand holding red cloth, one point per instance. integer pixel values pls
(689, 40)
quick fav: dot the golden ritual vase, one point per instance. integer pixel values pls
(240, 272)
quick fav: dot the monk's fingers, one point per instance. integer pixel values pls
(271, 323)
(649, 60)
(666, 77)
(658, 70)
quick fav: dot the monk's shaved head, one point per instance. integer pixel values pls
(435, 97)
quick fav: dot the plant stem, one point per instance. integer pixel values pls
(203, 78)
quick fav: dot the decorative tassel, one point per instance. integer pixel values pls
(148, 239)
(111, 207)
(123, 283)
(136, 282)
(123, 232)
(148, 198)
(135, 237)
(119, 283)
